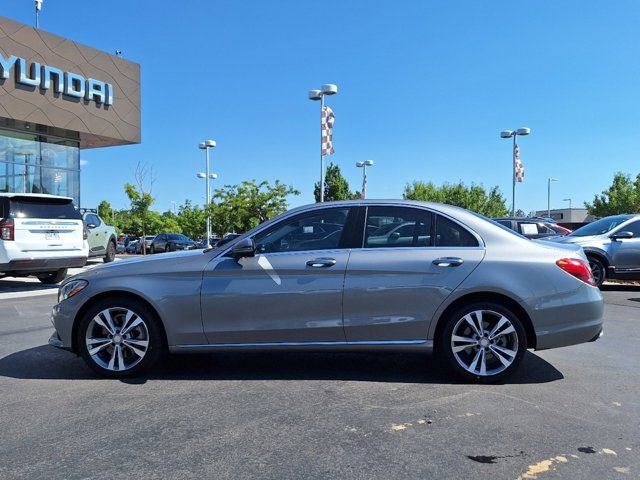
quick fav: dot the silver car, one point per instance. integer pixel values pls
(319, 277)
(612, 245)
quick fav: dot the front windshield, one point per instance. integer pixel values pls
(600, 227)
(178, 237)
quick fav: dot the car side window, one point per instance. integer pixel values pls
(451, 234)
(397, 227)
(633, 228)
(93, 219)
(317, 230)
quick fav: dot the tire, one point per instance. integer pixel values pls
(167, 249)
(111, 252)
(106, 361)
(598, 269)
(467, 363)
(50, 278)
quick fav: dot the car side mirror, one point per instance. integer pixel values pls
(244, 248)
(91, 225)
(394, 236)
(621, 235)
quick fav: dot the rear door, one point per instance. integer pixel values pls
(393, 289)
(46, 225)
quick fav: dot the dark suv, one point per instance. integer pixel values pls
(533, 227)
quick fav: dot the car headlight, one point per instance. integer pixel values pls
(69, 289)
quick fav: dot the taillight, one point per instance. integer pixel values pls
(7, 230)
(564, 230)
(578, 268)
(85, 232)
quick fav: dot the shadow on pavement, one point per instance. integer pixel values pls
(49, 363)
(620, 287)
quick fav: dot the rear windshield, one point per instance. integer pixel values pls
(43, 208)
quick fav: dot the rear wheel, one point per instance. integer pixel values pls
(111, 252)
(50, 278)
(167, 249)
(598, 269)
(483, 342)
(120, 337)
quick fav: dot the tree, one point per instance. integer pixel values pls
(520, 213)
(141, 198)
(474, 197)
(192, 220)
(336, 186)
(106, 212)
(623, 196)
(241, 207)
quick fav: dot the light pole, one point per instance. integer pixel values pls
(551, 179)
(38, 8)
(206, 145)
(567, 200)
(508, 134)
(173, 205)
(327, 89)
(364, 165)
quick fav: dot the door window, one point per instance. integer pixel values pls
(451, 234)
(397, 227)
(92, 219)
(633, 228)
(318, 230)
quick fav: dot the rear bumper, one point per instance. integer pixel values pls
(578, 320)
(42, 264)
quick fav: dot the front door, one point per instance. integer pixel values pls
(411, 260)
(290, 292)
(626, 252)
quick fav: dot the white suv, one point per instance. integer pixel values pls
(40, 235)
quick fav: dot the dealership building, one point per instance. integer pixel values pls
(58, 97)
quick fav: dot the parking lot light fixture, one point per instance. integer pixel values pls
(551, 179)
(522, 131)
(567, 200)
(364, 165)
(206, 145)
(318, 95)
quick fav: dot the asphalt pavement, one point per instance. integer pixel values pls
(570, 413)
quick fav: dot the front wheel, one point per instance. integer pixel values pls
(50, 278)
(120, 337)
(598, 269)
(483, 342)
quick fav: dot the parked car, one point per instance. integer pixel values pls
(533, 227)
(170, 242)
(213, 241)
(226, 239)
(473, 290)
(120, 246)
(101, 236)
(132, 246)
(612, 245)
(40, 235)
(147, 242)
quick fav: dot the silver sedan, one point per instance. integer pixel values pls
(347, 275)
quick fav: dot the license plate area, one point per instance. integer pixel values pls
(52, 236)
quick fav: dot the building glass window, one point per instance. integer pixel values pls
(31, 163)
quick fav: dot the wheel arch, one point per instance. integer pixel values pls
(599, 254)
(109, 294)
(493, 297)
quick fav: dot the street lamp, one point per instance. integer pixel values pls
(206, 145)
(364, 165)
(549, 195)
(508, 134)
(315, 95)
(567, 200)
(38, 8)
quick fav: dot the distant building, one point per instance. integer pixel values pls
(568, 215)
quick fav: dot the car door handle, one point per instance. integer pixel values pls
(321, 262)
(448, 262)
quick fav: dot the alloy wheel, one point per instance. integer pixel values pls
(117, 339)
(484, 342)
(597, 270)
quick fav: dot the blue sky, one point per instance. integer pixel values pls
(425, 88)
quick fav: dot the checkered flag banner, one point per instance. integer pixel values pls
(328, 119)
(517, 165)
